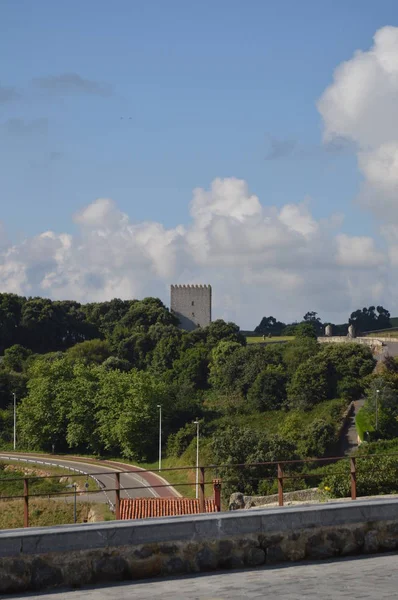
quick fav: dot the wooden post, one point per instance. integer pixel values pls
(280, 484)
(202, 507)
(26, 502)
(117, 491)
(353, 479)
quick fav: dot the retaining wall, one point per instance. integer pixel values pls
(73, 555)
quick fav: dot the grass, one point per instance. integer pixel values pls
(44, 512)
(386, 333)
(258, 339)
(364, 422)
(11, 483)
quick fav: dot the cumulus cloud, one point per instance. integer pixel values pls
(67, 83)
(361, 106)
(260, 259)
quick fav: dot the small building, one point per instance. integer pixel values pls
(191, 304)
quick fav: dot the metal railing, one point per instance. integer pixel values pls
(281, 471)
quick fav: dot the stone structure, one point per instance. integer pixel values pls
(328, 331)
(191, 304)
(75, 555)
(351, 332)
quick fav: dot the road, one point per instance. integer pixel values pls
(106, 480)
(364, 577)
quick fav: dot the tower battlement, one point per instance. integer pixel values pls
(191, 304)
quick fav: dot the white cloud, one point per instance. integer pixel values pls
(361, 105)
(259, 259)
(358, 251)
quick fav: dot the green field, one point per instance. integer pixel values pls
(364, 422)
(259, 339)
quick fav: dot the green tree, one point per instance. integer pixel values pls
(42, 414)
(370, 319)
(90, 352)
(10, 318)
(309, 384)
(269, 325)
(15, 358)
(268, 391)
(299, 351)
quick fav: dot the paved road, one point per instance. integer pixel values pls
(106, 480)
(374, 577)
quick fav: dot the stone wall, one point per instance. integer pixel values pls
(191, 304)
(76, 555)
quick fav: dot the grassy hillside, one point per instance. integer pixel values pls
(44, 512)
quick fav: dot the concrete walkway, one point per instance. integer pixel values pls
(365, 577)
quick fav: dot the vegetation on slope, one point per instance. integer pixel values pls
(90, 379)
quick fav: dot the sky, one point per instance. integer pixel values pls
(249, 145)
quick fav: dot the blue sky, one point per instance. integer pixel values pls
(215, 89)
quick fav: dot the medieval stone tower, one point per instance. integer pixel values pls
(191, 304)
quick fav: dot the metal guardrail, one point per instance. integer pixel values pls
(281, 474)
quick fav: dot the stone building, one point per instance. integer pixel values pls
(191, 304)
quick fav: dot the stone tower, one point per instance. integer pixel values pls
(191, 304)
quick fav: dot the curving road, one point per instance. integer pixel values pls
(133, 484)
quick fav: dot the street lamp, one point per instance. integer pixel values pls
(377, 409)
(197, 457)
(15, 420)
(160, 436)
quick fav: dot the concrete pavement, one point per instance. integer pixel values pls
(367, 577)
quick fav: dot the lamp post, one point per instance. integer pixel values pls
(160, 436)
(197, 457)
(15, 420)
(377, 409)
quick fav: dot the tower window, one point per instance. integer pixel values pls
(193, 303)
(193, 314)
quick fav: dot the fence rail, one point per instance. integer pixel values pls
(280, 472)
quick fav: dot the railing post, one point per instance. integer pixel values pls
(117, 491)
(280, 484)
(26, 502)
(217, 494)
(353, 479)
(202, 507)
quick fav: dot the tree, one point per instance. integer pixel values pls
(10, 319)
(298, 351)
(309, 384)
(269, 325)
(312, 318)
(15, 358)
(90, 352)
(147, 312)
(233, 445)
(120, 364)
(349, 364)
(268, 391)
(192, 367)
(306, 330)
(370, 319)
(137, 349)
